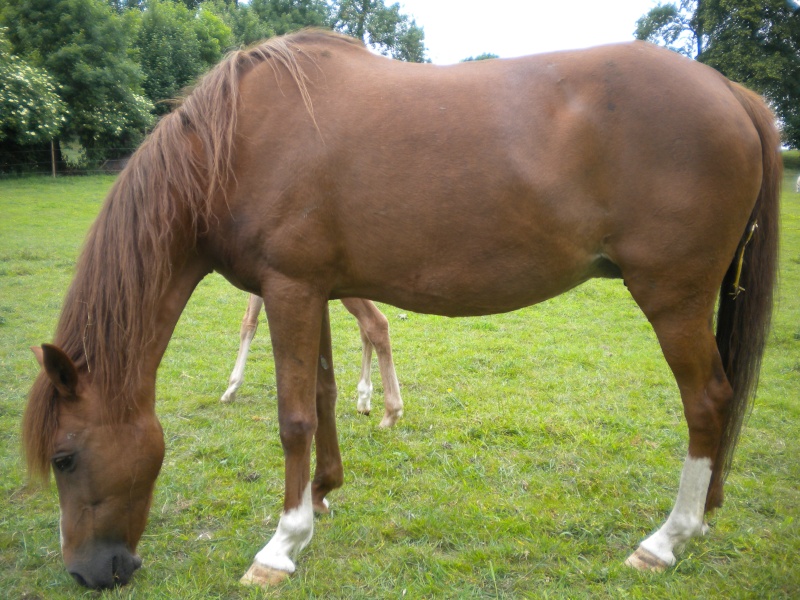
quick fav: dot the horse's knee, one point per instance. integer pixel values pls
(296, 431)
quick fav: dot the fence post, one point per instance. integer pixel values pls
(53, 155)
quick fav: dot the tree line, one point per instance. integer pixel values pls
(98, 73)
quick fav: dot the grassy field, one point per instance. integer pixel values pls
(537, 450)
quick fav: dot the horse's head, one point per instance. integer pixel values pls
(105, 469)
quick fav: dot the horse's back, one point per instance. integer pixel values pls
(422, 184)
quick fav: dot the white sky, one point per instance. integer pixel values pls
(457, 29)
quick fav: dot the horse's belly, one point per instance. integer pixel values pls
(474, 281)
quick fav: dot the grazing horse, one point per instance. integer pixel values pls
(374, 329)
(307, 169)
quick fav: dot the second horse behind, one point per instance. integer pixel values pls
(374, 328)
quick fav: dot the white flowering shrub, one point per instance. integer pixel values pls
(31, 110)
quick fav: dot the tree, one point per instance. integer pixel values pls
(757, 42)
(214, 35)
(175, 46)
(261, 19)
(286, 16)
(675, 26)
(122, 5)
(484, 56)
(31, 112)
(84, 46)
(245, 24)
(754, 42)
(381, 27)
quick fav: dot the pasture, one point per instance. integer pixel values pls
(538, 448)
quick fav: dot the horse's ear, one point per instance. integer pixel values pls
(59, 368)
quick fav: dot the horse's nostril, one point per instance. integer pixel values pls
(81, 581)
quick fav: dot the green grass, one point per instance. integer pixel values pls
(537, 450)
(791, 160)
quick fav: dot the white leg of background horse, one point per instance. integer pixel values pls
(374, 328)
(364, 388)
(246, 334)
(656, 553)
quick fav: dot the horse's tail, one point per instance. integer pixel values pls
(745, 303)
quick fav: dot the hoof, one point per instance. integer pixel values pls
(228, 398)
(322, 508)
(643, 560)
(390, 419)
(364, 411)
(263, 576)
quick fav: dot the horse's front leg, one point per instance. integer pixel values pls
(295, 316)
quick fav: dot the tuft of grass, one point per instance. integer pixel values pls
(538, 447)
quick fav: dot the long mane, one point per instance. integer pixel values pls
(163, 198)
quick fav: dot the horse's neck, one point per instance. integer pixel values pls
(173, 301)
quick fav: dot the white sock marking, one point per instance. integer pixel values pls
(686, 519)
(293, 534)
(364, 396)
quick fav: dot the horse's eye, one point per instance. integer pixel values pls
(64, 464)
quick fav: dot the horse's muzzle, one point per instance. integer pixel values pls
(108, 566)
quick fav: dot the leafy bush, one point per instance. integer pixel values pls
(31, 111)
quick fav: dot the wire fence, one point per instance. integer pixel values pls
(46, 161)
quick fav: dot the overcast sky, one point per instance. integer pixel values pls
(457, 29)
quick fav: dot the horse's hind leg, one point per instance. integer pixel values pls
(374, 328)
(364, 387)
(246, 334)
(691, 351)
(296, 315)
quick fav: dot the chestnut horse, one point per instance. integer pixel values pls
(374, 329)
(307, 169)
